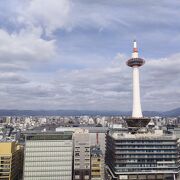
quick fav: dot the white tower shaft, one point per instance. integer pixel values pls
(137, 112)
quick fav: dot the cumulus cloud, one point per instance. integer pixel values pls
(24, 47)
(48, 14)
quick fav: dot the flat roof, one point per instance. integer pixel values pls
(142, 136)
(67, 135)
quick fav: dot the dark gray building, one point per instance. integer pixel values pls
(143, 155)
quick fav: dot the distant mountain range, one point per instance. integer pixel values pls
(3, 112)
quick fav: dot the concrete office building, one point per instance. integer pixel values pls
(81, 155)
(11, 161)
(97, 135)
(145, 155)
(97, 163)
(48, 156)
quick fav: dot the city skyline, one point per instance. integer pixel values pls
(71, 54)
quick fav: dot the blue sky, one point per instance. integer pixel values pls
(71, 54)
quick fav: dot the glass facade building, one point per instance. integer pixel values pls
(48, 156)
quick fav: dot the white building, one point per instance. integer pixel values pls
(48, 156)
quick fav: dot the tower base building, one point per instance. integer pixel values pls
(146, 155)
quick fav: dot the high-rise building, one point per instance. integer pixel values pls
(48, 156)
(11, 161)
(97, 163)
(81, 155)
(141, 153)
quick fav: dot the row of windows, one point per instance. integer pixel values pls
(139, 160)
(49, 137)
(48, 143)
(78, 154)
(49, 178)
(42, 149)
(54, 163)
(144, 170)
(40, 159)
(146, 150)
(49, 168)
(86, 172)
(167, 165)
(146, 147)
(145, 141)
(147, 156)
(136, 165)
(52, 173)
(48, 154)
(78, 177)
(86, 166)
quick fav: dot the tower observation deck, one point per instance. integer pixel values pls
(137, 120)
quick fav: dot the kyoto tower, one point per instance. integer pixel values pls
(137, 120)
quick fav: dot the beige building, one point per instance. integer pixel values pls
(81, 155)
(97, 164)
(11, 161)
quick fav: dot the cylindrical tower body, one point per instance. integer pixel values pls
(135, 62)
(137, 120)
(136, 112)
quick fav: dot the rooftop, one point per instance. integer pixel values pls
(147, 135)
(48, 135)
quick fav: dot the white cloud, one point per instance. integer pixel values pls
(50, 15)
(102, 88)
(24, 47)
(12, 78)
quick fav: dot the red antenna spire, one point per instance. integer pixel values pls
(135, 49)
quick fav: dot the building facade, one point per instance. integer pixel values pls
(11, 161)
(97, 135)
(48, 156)
(81, 155)
(97, 163)
(146, 155)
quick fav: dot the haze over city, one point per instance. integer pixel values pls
(63, 54)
